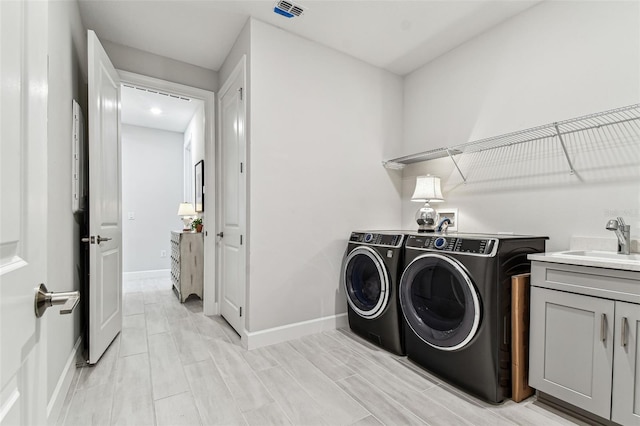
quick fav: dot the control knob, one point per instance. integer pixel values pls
(368, 238)
(440, 243)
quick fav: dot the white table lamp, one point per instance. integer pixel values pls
(427, 191)
(187, 212)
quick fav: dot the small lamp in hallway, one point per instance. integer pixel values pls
(187, 212)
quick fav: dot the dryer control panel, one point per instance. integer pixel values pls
(475, 246)
(377, 239)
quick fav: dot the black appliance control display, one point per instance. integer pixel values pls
(386, 240)
(451, 244)
(471, 246)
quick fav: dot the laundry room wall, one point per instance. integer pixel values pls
(67, 81)
(151, 190)
(321, 122)
(138, 61)
(555, 61)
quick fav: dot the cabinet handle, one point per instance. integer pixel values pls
(623, 328)
(603, 327)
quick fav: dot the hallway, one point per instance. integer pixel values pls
(171, 365)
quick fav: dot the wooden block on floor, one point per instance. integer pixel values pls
(520, 388)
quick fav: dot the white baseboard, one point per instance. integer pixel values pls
(54, 407)
(284, 333)
(146, 275)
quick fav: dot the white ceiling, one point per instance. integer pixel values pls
(397, 35)
(175, 115)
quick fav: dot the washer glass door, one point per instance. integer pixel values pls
(439, 301)
(366, 282)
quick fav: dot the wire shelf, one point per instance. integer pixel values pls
(617, 124)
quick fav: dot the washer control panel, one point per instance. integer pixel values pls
(377, 239)
(476, 246)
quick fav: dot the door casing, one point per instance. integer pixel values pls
(210, 305)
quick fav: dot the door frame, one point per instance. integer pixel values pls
(240, 67)
(209, 302)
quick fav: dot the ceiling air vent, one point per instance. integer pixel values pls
(288, 9)
(155, 92)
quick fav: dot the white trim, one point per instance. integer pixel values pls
(210, 248)
(54, 407)
(146, 275)
(287, 332)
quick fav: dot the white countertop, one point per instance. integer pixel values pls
(608, 260)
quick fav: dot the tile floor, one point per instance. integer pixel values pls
(171, 365)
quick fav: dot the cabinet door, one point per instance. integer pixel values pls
(626, 365)
(571, 348)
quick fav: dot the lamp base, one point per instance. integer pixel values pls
(186, 220)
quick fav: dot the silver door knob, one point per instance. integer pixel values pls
(94, 240)
(45, 299)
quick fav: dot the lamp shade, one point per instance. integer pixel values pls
(427, 189)
(186, 209)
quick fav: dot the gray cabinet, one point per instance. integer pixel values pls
(626, 365)
(187, 263)
(571, 354)
(584, 338)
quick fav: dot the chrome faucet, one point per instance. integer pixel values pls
(623, 232)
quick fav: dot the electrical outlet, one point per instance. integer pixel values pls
(163, 253)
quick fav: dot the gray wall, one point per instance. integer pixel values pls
(67, 81)
(138, 61)
(556, 61)
(316, 175)
(151, 189)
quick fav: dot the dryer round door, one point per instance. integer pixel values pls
(440, 302)
(366, 282)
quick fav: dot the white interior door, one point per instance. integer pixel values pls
(23, 219)
(105, 205)
(232, 190)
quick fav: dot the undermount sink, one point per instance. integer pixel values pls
(606, 256)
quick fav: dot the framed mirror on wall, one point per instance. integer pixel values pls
(199, 183)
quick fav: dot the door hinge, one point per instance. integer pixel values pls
(240, 90)
(241, 167)
(240, 310)
(240, 239)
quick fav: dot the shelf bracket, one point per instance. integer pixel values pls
(392, 165)
(464, 179)
(564, 148)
